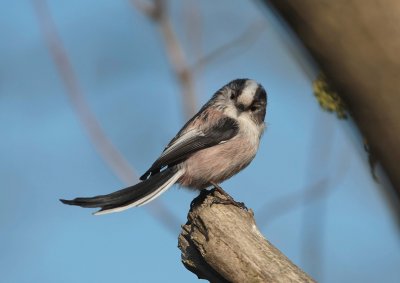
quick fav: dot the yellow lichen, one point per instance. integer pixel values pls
(328, 99)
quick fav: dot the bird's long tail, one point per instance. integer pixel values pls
(136, 195)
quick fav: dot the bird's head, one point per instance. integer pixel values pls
(242, 97)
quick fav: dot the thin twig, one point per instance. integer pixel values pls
(193, 30)
(113, 158)
(285, 204)
(158, 13)
(314, 216)
(244, 40)
(290, 41)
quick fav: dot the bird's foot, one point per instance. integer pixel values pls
(228, 200)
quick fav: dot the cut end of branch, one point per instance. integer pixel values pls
(221, 243)
(192, 259)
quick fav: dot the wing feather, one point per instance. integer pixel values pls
(181, 147)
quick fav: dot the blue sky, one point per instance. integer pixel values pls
(344, 233)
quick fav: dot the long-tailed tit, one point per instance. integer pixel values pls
(218, 142)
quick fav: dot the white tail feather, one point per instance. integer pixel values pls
(148, 198)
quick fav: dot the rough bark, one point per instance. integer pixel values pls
(357, 46)
(221, 243)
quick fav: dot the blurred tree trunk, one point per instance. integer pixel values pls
(357, 46)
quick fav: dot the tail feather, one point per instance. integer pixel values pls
(135, 195)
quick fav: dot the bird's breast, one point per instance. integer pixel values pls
(220, 162)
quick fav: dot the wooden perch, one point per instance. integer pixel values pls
(221, 243)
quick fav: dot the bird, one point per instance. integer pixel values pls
(215, 144)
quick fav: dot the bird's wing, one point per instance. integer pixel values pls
(189, 142)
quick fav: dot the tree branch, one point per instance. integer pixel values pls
(221, 243)
(356, 45)
(105, 148)
(243, 40)
(157, 11)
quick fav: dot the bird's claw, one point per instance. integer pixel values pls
(228, 200)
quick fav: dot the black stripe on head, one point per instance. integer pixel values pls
(261, 95)
(260, 104)
(237, 87)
